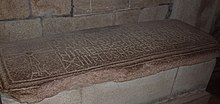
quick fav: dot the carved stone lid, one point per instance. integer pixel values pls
(34, 69)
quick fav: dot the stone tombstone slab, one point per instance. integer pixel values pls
(34, 69)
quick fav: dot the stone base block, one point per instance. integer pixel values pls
(149, 89)
(139, 91)
(193, 77)
(195, 97)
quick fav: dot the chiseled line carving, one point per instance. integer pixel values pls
(83, 50)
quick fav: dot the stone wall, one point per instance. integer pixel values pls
(216, 26)
(25, 19)
(199, 13)
(218, 19)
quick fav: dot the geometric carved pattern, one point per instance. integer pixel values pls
(40, 60)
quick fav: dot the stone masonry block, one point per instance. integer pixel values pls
(200, 13)
(66, 97)
(127, 16)
(81, 7)
(193, 77)
(109, 5)
(10, 9)
(153, 13)
(139, 91)
(185, 12)
(51, 7)
(19, 30)
(69, 24)
(9, 100)
(146, 3)
(187, 98)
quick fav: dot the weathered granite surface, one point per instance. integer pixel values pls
(35, 69)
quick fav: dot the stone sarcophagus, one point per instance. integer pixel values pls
(126, 59)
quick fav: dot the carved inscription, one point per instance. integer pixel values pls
(86, 50)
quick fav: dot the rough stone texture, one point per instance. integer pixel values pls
(153, 13)
(81, 7)
(10, 9)
(39, 68)
(199, 13)
(147, 3)
(66, 97)
(69, 24)
(193, 77)
(19, 30)
(139, 91)
(127, 16)
(109, 5)
(50, 7)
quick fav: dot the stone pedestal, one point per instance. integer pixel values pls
(174, 83)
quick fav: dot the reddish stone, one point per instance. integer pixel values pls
(35, 69)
